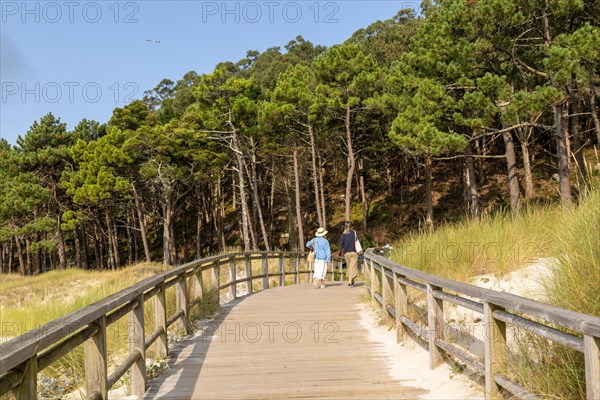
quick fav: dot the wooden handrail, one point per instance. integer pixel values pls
(22, 357)
(498, 309)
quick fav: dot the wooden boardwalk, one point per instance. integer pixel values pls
(285, 342)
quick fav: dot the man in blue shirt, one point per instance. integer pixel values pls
(320, 245)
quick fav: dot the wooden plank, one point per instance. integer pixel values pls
(198, 284)
(265, 273)
(232, 279)
(462, 355)
(435, 326)
(583, 323)
(592, 366)
(566, 339)
(494, 350)
(296, 270)
(137, 372)
(181, 297)
(60, 349)
(386, 293)
(161, 348)
(302, 350)
(27, 390)
(248, 263)
(401, 307)
(281, 270)
(514, 388)
(373, 277)
(95, 361)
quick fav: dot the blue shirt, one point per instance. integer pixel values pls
(321, 247)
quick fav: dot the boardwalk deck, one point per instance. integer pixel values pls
(286, 342)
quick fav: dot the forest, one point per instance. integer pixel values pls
(466, 108)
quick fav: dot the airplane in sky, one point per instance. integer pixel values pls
(152, 41)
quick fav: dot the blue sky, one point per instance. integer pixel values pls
(81, 59)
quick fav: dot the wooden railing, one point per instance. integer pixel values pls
(389, 283)
(23, 357)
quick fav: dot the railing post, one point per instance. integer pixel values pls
(198, 283)
(435, 325)
(160, 321)
(341, 277)
(373, 282)
(137, 372)
(232, 279)
(182, 303)
(265, 272)
(281, 270)
(296, 270)
(27, 390)
(248, 274)
(215, 279)
(95, 361)
(591, 351)
(386, 294)
(332, 271)
(494, 337)
(401, 304)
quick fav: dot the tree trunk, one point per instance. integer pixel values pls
(22, 268)
(593, 104)
(577, 146)
(363, 197)
(38, 256)
(292, 231)
(352, 163)
(315, 174)
(29, 256)
(130, 241)
(134, 234)
(562, 154)
(115, 238)
(511, 166)
(298, 207)
(2, 250)
(428, 191)
(112, 260)
(221, 213)
(257, 197)
(242, 190)
(85, 258)
(252, 232)
(322, 190)
(62, 257)
(10, 256)
(389, 179)
(529, 189)
(184, 239)
(77, 248)
(142, 223)
(97, 243)
(199, 225)
(473, 196)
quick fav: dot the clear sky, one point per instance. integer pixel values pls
(81, 59)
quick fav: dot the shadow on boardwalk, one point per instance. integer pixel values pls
(286, 342)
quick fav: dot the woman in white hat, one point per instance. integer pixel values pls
(322, 256)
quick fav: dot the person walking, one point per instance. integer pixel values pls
(320, 245)
(348, 249)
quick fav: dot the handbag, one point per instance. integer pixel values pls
(357, 245)
(311, 256)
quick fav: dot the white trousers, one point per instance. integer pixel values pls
(320, 269)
